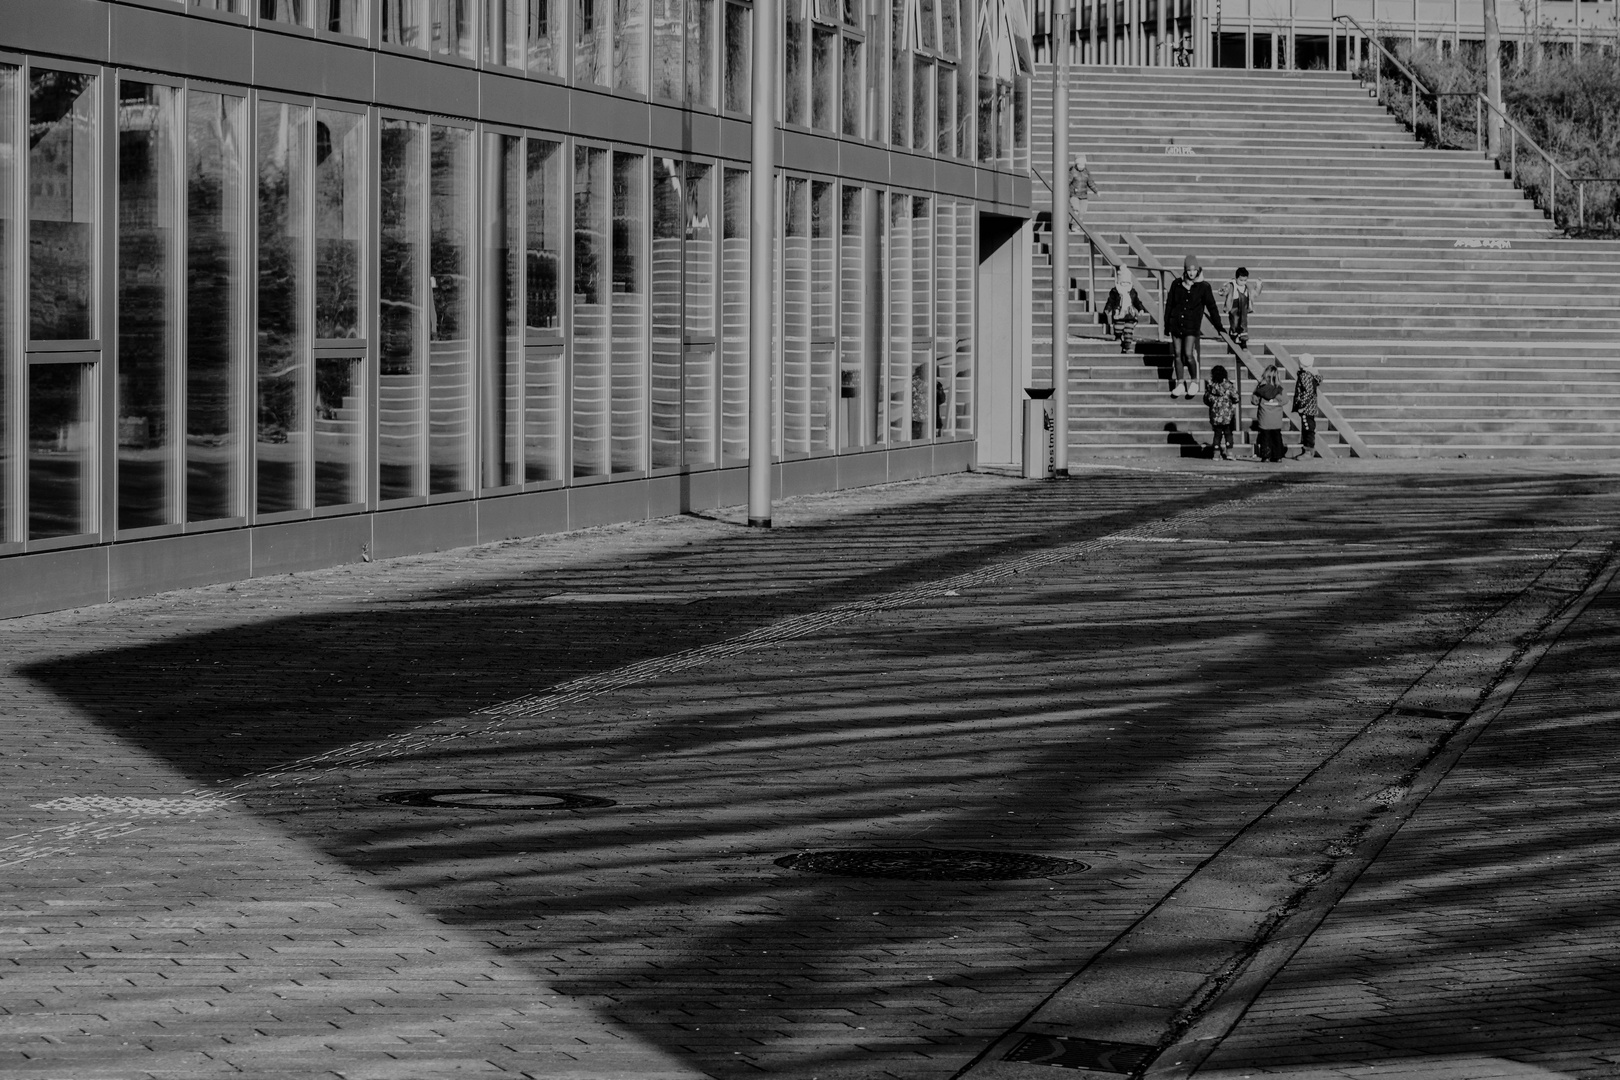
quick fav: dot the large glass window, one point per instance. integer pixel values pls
(340, 175)
(700, 53)
(592, 61)
(630, 46)
(503, 338)
(668, 67)
(629, 374)
(664, 381)
(899, 251)
(149, 303)
(739, 47)
(823, 314)
(402, 174)
(296, 12)
(216, 224)
(61, 442)
(543, 378)
(504, 39)
(339, 430)
(922, 392)
(855, 391)
(450, 332)
(547, 45)
(699, 398)
(734, 257)
(795, 317)
(62, 196)
(592, 300)
(795, 28)
(404, 22)
(343, 17)
(8, 279)
(963, 397)
(824, 67)
(281, 450)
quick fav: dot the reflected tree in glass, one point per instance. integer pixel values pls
(592, 60)
(700, 53)
(451, 22)
(668, 28)
(340, 176)
(402, 251)
(630, 46)
(449, 313)
(739, 32)
(547, 48)
(404, 22)
(216, 174)
(148, 356)
(281, 451)
(62, 195)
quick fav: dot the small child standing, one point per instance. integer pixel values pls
(1120, 312)
(1221, 397)
(1239, 295)
(1268, 418)
(1305, 390)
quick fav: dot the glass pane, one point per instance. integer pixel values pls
(234, 7)
(699, 251)
(544, 231)
(823, 78)
(452, 22)
(698, 401)
(854, 426)
(61, 205)
(503, 32)
(629, 389)
(794, 67)
(216, 223)
(402, 265)
(547, 49)
(734, 316)
(337, 431)
(502, 383)
(282, 450)
(630, 46)
(591, 42)
(823, 313)
(852, 87)
(964, 111)
(928, 31)
(700, 53)
(949, 39)
(288, 11)
(922, 99)
(795, 250)
(340, 174)
(945, 300)
(543, 415)
(900, 78)
(592, 189)
(8, 278)
(61, 442)
(878, 263)
(344, 17)
(900, 294)
(668, 79)
(668, 231)
(922, 319)
(404, 22)
(450, 313)
(987, 115)
(739, 46)
(945, 78)
(966, 266)
(148, 357)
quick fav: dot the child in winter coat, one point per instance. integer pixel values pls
(1239, 296)
(1305, 391)
(1221, 397)
(1120, 312)
(1267, 400)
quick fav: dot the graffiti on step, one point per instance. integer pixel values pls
(1475, 242)
(1173, 149)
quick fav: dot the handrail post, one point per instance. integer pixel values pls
(1479, 125)
(1580, 202)
(1439, 121)
(1552, 191)
(1513, 154)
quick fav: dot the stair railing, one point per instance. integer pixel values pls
(1542, 195)
(1097, 245)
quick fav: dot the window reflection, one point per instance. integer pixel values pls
(630, 46)
(503, 311)
(629, 372)
(340, 140)
(591, 311)
(402, 264)
(338, 431)
(739, 43)
(215, 222)
(449, 313)
(61, 205)
(61, 437)
(296, 12)
(344, 17)
(147, 357)
(700, 53)
(734, 256)
(669, 26)
(8, 278)
(281, 450)
(547, 49)
(592, 65)
(668, 234)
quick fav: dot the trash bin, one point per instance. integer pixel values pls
(1039, 449)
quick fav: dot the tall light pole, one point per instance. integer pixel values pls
(762, 182)
(1493, 80)
(1060, 250)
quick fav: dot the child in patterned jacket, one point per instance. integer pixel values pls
(1221, 397)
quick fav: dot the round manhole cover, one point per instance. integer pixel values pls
(495, 799)
(925, 864)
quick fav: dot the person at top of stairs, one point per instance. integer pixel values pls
(1120, 310)
(1080, 189)
(1186, 303)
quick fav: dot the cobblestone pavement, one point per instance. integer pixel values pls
(1188, 680)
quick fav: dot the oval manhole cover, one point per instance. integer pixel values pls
(925, 864)
(494, 799)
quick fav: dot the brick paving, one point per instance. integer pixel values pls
(1125, 670)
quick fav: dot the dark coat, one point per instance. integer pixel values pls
(1185, 306)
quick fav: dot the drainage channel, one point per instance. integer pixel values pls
(1156, 1001)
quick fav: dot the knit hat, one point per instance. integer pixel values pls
(1307, 361)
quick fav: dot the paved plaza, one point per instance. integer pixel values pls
(1227, 772)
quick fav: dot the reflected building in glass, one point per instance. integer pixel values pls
(288, 283)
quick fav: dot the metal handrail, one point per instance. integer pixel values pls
(1378, 71)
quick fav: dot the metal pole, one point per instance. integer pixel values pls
(1060, 254)
(761, 239)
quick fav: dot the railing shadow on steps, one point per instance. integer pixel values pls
(1537, 175)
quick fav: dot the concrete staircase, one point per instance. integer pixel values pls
(1445, 314)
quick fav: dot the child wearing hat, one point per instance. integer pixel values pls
(1120, 311)
(1306, 386)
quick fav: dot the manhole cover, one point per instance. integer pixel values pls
(495, 799)
(926, 864)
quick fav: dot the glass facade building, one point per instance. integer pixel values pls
(285, 283)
